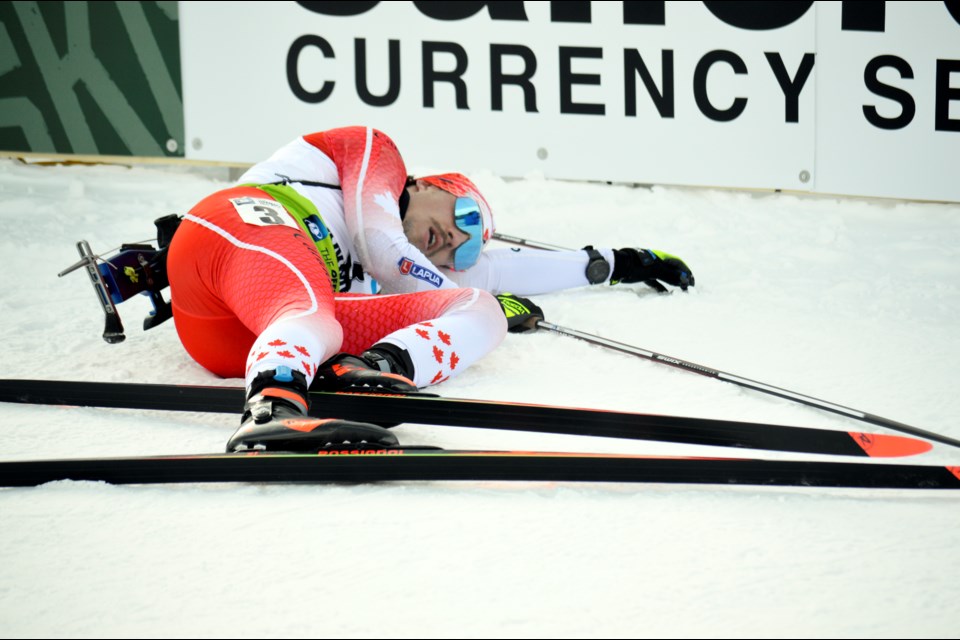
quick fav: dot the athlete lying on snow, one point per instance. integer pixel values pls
(328, 266)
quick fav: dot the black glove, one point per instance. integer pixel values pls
(522, 314)
(639, 265)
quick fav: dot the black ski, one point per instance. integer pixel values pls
(427, 409)
(419, 464)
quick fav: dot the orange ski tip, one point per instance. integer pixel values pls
(955, 471)
(878, 445)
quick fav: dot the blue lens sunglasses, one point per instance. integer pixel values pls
(466, 213)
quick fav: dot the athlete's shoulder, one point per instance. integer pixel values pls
(336, 142)
(384, 141)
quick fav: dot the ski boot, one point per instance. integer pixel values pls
(275, 419)
(383, 368)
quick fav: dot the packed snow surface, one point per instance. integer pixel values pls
(852, 301)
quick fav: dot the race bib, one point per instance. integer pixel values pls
(263, 212)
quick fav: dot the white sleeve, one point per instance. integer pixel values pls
(393, 261)
(372, 174)
(527, 272)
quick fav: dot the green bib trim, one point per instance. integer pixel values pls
(310, 221)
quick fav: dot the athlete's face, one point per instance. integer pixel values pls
(429, 224)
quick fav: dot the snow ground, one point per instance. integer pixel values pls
(849, 300)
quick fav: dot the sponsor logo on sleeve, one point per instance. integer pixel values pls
(410, 268)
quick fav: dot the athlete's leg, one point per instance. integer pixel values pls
(248, 284)
(249, 297)
(443, 331)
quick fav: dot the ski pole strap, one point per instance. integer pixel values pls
(522, 313)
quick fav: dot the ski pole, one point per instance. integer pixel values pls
(720, 375)
(523, 242)
(749, 384)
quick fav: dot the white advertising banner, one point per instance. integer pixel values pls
(771, 95)
(888, 101)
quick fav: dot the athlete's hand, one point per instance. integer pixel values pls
(639, 265)
(522, 314)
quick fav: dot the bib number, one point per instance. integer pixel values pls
(263, 212)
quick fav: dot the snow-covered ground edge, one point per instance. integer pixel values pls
(848, 300)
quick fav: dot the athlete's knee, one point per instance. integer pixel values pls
(323, 326)
(483, 306)
(470, 297)
(492, 310)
